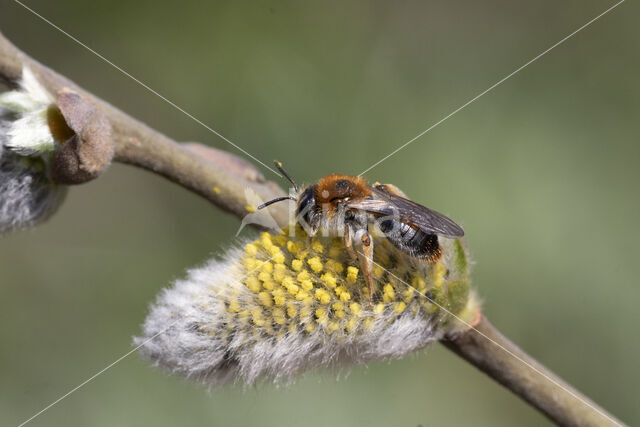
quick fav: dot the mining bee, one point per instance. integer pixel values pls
(343, 205)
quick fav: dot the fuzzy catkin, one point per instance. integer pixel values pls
(276, 308)
(26, 195)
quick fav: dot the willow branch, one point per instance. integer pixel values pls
(495, 355)
(222, 178)
(216, 175)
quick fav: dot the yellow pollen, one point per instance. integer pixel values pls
(307, 285)
(278, 258)
(352, 274)
(291, 247)
(267, 267)
(253, 284)
(315, 264)
(296, 264)
(250, 208)
(333, 326)
(335, 266)
(379, 308)
(399, 307)
(279, 297)
(323, 296)
(291, 310)
(217, 190)
(234, 306)
(251, 249)
(329, 279)
(378, 271)
(355, 308)
(303, 275)
(265, 299)
(317, 246)
(351, 324)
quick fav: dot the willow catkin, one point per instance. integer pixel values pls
(278, 306)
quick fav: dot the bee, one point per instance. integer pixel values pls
(347, 206)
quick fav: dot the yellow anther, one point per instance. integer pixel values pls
(320, 312)
(323, 296)
(274, 250)
(439, 271)
(368, 323)
(345, 296)
(279, 239)
(329, 280)
(355, 308)
(315, 264)
(278, 316)
(304, 297)
(279, 272)
(264, 276)
(234, 306)
(302, 254)
(307, 285)
(265, 239)
(251, 249)
(310, 327)
(278, 258)
(265, 299)
(250, 263)
(291, 310)
(408, 294)
(399, 307)
(379, 308)
(296, 264)
(351, 324)
(303, 275)
(291, 247)
(389, 293)
(339, 314)
(352, 274)
(333, 326)
(279, 297)
(317, 246)
(293, 289)
(267, 267)
(378, 271)
(253, 284)
(337, 306)
(268, 285)
(335, 266)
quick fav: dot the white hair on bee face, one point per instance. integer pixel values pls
(278, 308)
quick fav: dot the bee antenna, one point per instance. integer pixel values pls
(286, 175)
(276, 200)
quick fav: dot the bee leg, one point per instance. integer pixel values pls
(367, 263)
(347, 240)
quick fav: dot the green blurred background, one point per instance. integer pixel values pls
(542, 173)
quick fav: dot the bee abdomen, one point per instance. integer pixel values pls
(412, 241)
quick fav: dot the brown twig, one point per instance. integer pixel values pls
(492, 353)
(222, 177)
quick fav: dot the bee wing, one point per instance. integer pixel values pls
(404, 210)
